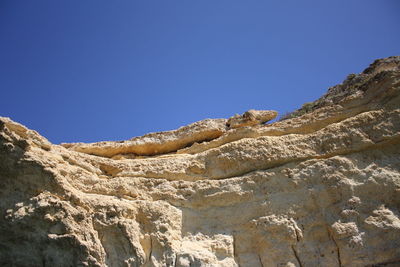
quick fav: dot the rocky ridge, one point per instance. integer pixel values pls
(319, 188)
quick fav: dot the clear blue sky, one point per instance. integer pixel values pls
(93, 70)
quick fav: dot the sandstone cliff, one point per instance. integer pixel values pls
(319, 188)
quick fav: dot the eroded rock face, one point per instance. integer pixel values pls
(319, 189)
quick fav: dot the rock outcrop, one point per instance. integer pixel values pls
(251, 117)
(318, 188)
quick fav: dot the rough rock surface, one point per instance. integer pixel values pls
(251, 117)
(319, 189)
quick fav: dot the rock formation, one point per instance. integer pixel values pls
(251, 117)
(320, 187)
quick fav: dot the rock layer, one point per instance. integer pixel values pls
(320, 188)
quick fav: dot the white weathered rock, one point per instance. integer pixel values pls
(319, 189)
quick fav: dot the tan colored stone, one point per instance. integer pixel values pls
(251, 117)
(319, 189)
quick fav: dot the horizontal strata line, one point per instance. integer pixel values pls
(395, 140)
(176, 151)
(288, 131)
(126, 197)
(375, 146)
(209, 140)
